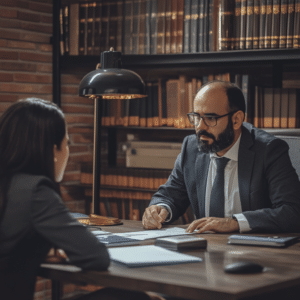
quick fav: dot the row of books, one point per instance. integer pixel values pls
(176, 26)
(130, 178)
(167, 103)
(276, 108)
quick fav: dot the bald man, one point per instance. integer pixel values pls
(235, 177)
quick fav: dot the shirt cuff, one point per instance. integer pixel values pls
(243, 223)
(168, 208)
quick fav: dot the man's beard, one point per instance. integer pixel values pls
(224, 140)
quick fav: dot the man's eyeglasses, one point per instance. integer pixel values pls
(210, 121)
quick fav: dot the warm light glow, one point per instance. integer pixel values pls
(122, 96)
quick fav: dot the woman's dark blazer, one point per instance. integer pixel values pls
(35, 219)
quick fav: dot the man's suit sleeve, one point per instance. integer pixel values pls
(284, 193)
(52, 220)
(173, 193)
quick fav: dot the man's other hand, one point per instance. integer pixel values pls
(214, 224)
(153, 216)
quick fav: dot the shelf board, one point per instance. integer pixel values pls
(188, 60)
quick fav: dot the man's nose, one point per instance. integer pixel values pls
(201, 125)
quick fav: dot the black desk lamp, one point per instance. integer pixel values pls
(108, 82)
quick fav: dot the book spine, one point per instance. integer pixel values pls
(66, 30)
(226, 20)
(237, 23)
(134, 112)
(127, 33)
(277, 108)
(201, 27)
(292, 115)
(135, 26)
(257, 118)
(296, 33)
(155, 104)
(243, 24)
(283, 23)
(172, 100)
(256, 13)
(147, 27)
(205, 26)
(83, 28)
(179, 38)
(262, 24)
(163, 103)
(168, 26)
(119, 30)
(210, 25)
(268, 28)
(268, 108)
(91, 29)
(61, 31)
(181, 104)
(142, 27)
(187, 26)
(161, 26)
(284, 108)
(250, 24)
(173, 26)
(153, 30)
(143, 112)
(290, 23)
(194, 26)
(215, 26)
(149, 105)
(275, 24)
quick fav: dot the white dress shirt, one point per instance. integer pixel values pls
(232, 205)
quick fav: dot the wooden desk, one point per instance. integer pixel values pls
(205, 280)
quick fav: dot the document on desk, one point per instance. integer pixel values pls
(150, 255)
(153, 234)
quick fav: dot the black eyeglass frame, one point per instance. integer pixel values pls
(203, 118)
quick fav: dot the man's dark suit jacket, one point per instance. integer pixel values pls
(268, 184)
(36, 218)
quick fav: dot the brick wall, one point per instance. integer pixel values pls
(26, 71)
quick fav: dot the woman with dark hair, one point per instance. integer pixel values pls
(33, 156)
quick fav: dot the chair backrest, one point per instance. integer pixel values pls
(294, 152)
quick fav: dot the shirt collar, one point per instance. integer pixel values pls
(232, 153)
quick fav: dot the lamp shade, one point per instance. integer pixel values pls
(112, 81)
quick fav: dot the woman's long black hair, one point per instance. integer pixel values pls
(29, 129)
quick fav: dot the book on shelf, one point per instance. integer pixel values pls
(243, 24)
(284, 113)
(205, 26)
(147, 27)
(277, 107)
(283, 23)
(290, 24)
(161, 26)
(256, 17)
(61, 31)
(226, 19)
(153, 26)
(268, 24)
(237, 25)
(194, 34)
(135, 26)
(198, 19)
(168, 24)
(66, 30)
(293, 109)
(250, 24)
(258, 107)
(128, 27)
(262, 24)
(296, 33)
(141, 27)
(149, 104)
(275, 32)
(173, 26)
(180, 20)
(268, 112)
(173, 92)
(187, 26)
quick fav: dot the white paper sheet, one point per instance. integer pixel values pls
(149, 255)
(153, 234)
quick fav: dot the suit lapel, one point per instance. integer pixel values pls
(245, 166)
(201, 171)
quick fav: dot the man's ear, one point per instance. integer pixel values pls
(237, 119)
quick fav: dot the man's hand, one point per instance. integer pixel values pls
(214, 224)
(153, 216)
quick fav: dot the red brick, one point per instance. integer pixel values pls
(27, 77)
(8, 13)
(70, 90)
(76, 99)
(8, 98)
(21, 45)
(6, 77)
(46, 47)
(34, 37)
(35, 57)
(15, 3)
(71, 78)
(81, 158)
(82, 138)
(77, 109)
(76, 149)
(4, 107)
(27, 16)
(79, 119)
(37, 27)
(3, 43)
(71, 176)
(46, 19)
(9, 55)
(7, 23)
(78, 129)
(44, 68)
(46, 8)
(9, 34)
(13, 66)
(25, 88)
